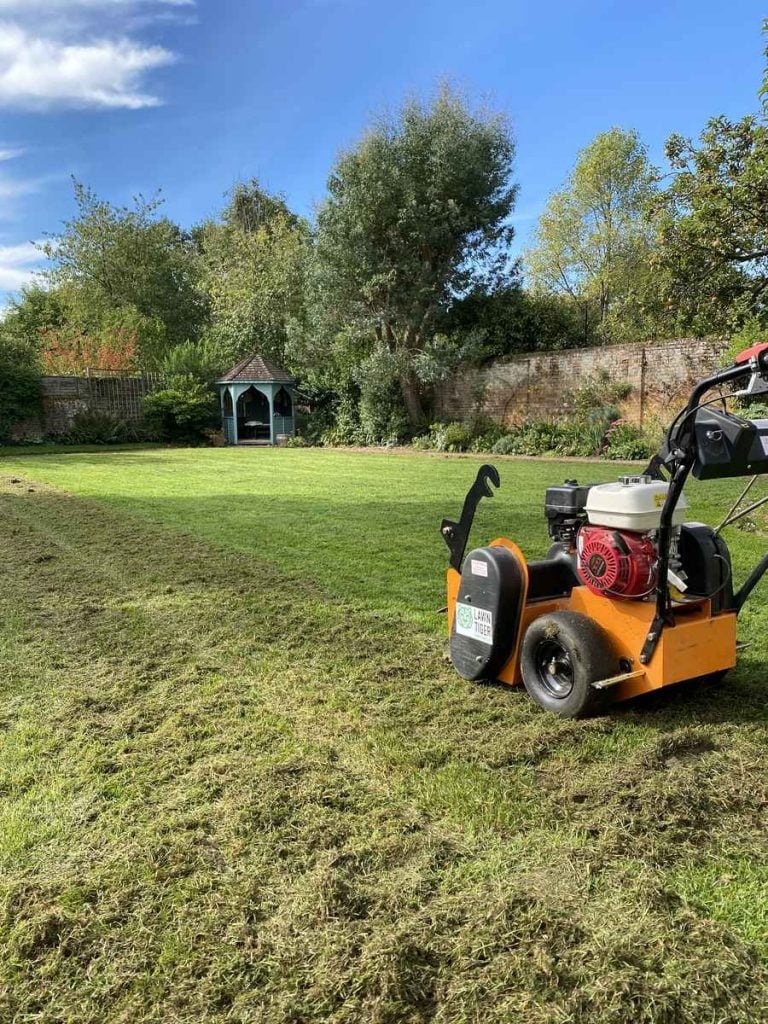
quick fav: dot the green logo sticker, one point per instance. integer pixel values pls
(464, 616)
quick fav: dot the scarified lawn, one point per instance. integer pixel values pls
(239, 782)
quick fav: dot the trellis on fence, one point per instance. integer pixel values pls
(105, 391)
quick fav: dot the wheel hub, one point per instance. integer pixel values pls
(555, 669)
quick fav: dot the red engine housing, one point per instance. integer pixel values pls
(616, 563)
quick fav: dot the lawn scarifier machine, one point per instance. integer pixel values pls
(630, 598)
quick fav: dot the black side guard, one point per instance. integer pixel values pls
(707, 564)
(456, 535)
(489, 606)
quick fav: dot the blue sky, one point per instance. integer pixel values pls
(191, 95)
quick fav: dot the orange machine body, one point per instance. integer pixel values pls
(698, 643)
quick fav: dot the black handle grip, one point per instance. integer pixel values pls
(456, 535)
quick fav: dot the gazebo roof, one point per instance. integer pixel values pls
(255, 369)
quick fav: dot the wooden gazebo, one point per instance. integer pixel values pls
(257, 403)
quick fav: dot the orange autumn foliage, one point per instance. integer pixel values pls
(75, 353)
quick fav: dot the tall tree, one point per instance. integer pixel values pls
(19, 361)
(417, 213)
(126, 269)
(593, 239)
(763, 93)
(711, 259)
(254, 262)
(713, 226)
(31, 315)
(511, 319)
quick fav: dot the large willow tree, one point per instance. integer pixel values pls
(416, 214)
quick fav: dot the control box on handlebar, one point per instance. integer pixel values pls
(728, 446)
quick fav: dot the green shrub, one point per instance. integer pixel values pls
(534, 438)
(626, 441)
(486, 434)
(95, 427)
(752, 410)
(454, 437)
(445, 437)
(20, 391)
(340, 436)
(381, 412)
(594, 433)
(506, 445)
(598, 392)
(202, 359)
(184, 411)
(752, 332)
(586, 435)
(537, 438)
(298, 442)
(424, 442)
(577, 438)
(312, 425)
(433, 438)
(337, 424)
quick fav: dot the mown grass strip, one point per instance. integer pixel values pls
(234, 799)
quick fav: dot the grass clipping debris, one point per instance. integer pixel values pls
(226, 797)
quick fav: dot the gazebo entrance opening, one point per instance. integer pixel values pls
(253, 416)
(283, 406)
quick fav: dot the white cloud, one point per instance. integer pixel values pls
(38, 73)
(18, 264)
(82, 53)
(12, 188)
(71, 53)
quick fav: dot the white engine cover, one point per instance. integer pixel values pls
(633, 503)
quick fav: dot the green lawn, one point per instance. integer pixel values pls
(240, 782)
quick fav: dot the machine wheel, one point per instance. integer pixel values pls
(563, 654)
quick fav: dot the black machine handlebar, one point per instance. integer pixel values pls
(679, 459)
(730, 373)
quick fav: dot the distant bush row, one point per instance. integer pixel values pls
(595, 427)
(595, 435)
(184, 411)
(92, 428)
(602, 433)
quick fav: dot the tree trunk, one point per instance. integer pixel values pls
(410, 391)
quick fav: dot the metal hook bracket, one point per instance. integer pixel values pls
(456, 534)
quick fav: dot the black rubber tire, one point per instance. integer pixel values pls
(563, 654)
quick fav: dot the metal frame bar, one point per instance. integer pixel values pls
(682, 459)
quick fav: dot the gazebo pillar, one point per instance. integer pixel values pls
(271, 400)
(234, 396)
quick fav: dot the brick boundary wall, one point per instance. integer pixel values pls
(540, 385)
(64, 397)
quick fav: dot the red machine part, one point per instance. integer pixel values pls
(750, 353)
(616, 563)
